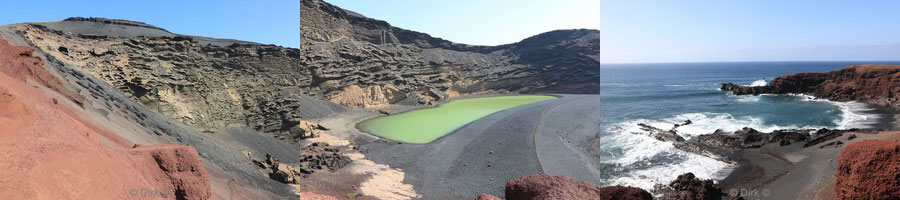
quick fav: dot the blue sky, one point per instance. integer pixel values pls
(712, 30)
(272, 22)
(480, 22)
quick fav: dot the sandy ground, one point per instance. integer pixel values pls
(792, 172)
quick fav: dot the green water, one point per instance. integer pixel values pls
(426, 125)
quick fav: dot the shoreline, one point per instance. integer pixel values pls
(796, 172)
(887, 116)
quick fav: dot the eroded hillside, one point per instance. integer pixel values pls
(211, 86)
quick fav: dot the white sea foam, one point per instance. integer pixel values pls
(639, 150)
(747, 98)
(702, 124)
(760, 82)
(852, 113)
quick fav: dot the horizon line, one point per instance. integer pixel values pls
(689, 62)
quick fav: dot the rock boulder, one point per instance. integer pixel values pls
(540, 186)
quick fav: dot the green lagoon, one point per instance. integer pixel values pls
(426, 125)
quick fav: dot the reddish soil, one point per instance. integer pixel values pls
(539, 186)
(18, 63)
(869, 170)
(49, 153)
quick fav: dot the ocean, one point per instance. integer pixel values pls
(662, 95)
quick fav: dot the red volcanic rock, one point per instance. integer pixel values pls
(49, 152)
(877, 84)
(484, 196)
(540, 186)
(869, 170)
(183, 166)
(18, 62)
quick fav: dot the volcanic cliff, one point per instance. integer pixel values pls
(874, 84)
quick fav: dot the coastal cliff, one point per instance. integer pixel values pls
(875, 84)
(863, 170)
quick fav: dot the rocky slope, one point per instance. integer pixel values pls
(876, 84)
(116, 114)
(868, 170)
(560, 61)
(52, 152)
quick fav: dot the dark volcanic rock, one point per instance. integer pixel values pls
(539, 186)
(660, 134)
(320, 156)
(113, 21)
(869, 170)
(876, 84)
(686, 186)
(277, 170)
(751, 138)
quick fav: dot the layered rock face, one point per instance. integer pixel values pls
(876, 84)
(205, 86)
(539, 186)
(211, 84)
(558, 61)
(868, 170)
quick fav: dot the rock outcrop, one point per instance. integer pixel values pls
(278, 170)
(689, 187)
(184, 167)
(539, 186)
(660, 134)
(868, 170)
(876, 84)
(319, 156)
(303, 129)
